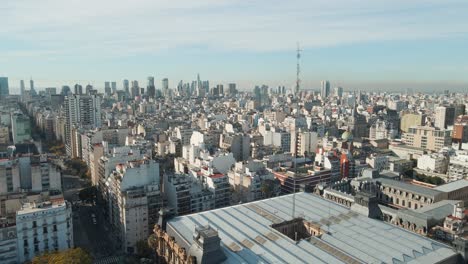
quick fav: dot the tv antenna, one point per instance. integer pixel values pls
(298, 69)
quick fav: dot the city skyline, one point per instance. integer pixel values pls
(418, 44)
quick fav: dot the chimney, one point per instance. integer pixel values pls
(206, 246)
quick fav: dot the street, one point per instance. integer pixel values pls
(94, 237)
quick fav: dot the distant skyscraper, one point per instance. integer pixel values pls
(114, 87)
(31, 84)
(444, 116)
(324, 89)
(165, 87)
(66, 90)
(135, 89)
(339, 91)
(89, 89)
(22, 87)
(78, 89)
(4, 89)
(126, 86)
(151, 88)
(232, 89)
(107, 88)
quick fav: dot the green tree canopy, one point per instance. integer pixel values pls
(71, 256)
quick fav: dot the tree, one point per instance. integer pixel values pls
(268, 188)
(71, 256)
(143, 250)
(88, 194)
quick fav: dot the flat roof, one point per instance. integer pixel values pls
(247, 236)
(452, 186)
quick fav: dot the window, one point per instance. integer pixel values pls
(34, 224)
(44, 230)
(403, 202)
(55, 228)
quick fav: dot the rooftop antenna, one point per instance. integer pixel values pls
(295, 174)
(298, 69)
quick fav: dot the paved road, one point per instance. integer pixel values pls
(88, 235)
(93, 237)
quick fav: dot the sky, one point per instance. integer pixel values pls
(357, 44)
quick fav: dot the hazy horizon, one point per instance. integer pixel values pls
(355, 44)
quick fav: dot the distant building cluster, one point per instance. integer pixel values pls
(205, 171)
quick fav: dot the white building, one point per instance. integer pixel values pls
(30, 173)
(303, 143)
(8, 242)
(436, 162)
(378, 162)
(42, 227)
(134, 201)
(247, 179)
(458, 166)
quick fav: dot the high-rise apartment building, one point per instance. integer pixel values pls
(20, 128)
(4, 89)
(426, 137)
(135, 200)
(324, 89)
(81, 111)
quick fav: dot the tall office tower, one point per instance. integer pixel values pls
(206, 86)
(89, 89)
(22, 87)
(114, 87)
(126, 86)
(220, 89)
(33, 90)
(107, 88)
(165, 87)
(325, 89)
(4, 90)
(151, 88)
(78, 89)
(135, 89)
(444, 116)
(232, 89)
(65, 90)
(80, 111)
(339, 91)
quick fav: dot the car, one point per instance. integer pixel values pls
(93, 215)
(94, 221)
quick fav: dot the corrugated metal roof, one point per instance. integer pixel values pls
(452, 186)
(247, 237)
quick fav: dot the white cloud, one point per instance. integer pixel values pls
(123, 27)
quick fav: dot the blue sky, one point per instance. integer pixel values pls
(368, 44)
